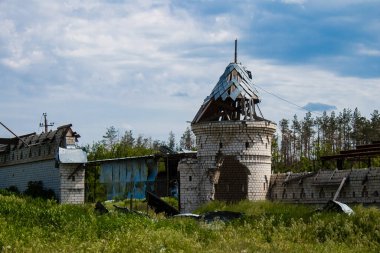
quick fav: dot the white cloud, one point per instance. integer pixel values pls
(293, 1)
(139, 65)
(304, 84)
(363, 50)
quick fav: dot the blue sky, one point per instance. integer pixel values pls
(146, 66)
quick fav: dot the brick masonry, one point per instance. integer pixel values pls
(72, 183)
(225, 146)
(52, 175)
(20, 174)
(38, 161)
(361, 186)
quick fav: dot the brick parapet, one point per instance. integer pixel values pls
(361, 186)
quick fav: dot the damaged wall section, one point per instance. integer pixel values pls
(348, 186)
(238, 148)
(51, 157)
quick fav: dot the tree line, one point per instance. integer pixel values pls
(298, 145)
(113, 145)
(301, 142)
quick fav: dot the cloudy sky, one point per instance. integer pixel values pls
(146, 66)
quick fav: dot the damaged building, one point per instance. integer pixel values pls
(131, 177)
(234, 156)
(346, 185)
(234, 145)
(51, 157)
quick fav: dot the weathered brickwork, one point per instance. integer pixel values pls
(360, 186)
(49, 157)
(52, 175)
(20, 174)
(190, 179)
(225, 147)
(72, 180)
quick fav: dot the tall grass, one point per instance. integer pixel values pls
(33, 225)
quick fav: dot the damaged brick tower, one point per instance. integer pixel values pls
(234, 145)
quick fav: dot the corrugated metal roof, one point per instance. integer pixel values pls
(244, 86)
(121, 159)
(234, 85)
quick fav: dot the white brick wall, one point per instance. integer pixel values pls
(249, 142)
(66, 189)
(72, 189)
(19, 175)
(362, 186)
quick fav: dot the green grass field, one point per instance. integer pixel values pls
(29, 225)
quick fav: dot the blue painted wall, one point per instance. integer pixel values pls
(129, 177)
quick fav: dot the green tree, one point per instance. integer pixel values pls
(110, 138)
(171, 140)
(187, 140)
(128, 139)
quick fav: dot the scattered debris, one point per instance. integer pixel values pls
(208, 217)
(100, 208)
(336, 206)
(188, 215)
(122, 209)
(159, 206)
(222, 216)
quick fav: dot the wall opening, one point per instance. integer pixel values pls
(365, 192)
(321, 193)
(233, 181)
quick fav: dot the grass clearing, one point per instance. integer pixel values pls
(34, 225)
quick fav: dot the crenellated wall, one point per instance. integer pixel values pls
(358, 186)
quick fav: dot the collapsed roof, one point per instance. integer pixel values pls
(234, 97)
(33, 139)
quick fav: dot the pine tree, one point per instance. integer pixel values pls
(128, 139)
(171, 140)
(110, 138)
(187, 140)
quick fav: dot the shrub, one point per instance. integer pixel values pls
(36, 190)
(13, 189)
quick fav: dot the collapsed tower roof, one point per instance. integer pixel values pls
(234, 97)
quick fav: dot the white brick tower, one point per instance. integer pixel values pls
(234, 145)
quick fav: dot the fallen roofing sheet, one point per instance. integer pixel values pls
(333, 205)
(74, 155)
